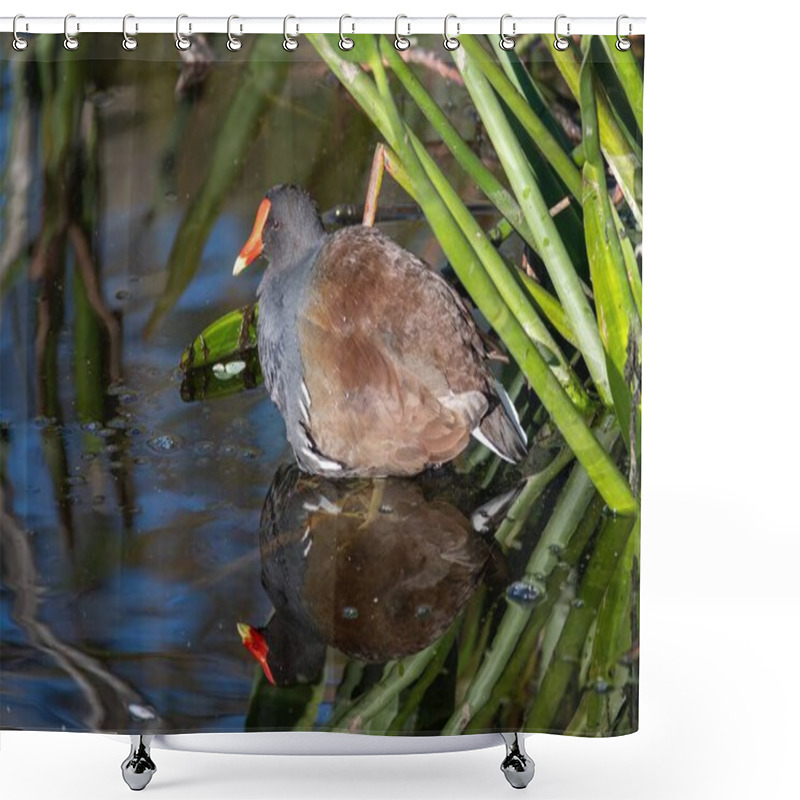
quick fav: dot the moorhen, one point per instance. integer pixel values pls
(371, 357)
(376, 568)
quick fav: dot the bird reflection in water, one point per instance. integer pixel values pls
(376, 568)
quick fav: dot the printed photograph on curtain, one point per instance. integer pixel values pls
(320, 399)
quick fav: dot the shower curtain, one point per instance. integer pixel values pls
(170, 561)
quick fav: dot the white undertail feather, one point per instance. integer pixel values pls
(482, 516)
(320, 462)
(476, 432)
(511, 412)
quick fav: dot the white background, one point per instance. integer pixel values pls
(721, 537)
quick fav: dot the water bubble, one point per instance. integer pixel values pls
(227, 450)
(423, 612)
(166, 443)
(88, 456)
(106, 433)
(171, 196)
(123, 294)
(75, 480)
(524, 592)
(350, 612)
(204, 448)
(91, 427)
(577, 603)
(601, 686)
(386, 509)
(249, 453)
(118, 423)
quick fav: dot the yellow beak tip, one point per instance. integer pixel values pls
(243, 629)
(239, 265)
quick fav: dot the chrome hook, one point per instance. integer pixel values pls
(507, 42)
(70, 42)
(345, 42)
(450, 42)
(234, 43)
(623, 44)
(128, 41)
(289, 42)
(560, 42)
(19, 43)
(182, 42)
(401, 42)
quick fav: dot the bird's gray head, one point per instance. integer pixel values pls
(287, 226)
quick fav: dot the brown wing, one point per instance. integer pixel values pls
(393, 364)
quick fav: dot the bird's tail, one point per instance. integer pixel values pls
(500, 429)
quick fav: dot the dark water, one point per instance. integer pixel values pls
(133, 539)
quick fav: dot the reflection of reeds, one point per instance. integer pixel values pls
(255, 91)
(63, 137)
(111, 703)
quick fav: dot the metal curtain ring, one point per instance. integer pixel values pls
(507, 42)
(234, 44)
(345, 42)
(450, 42)
(128, 41)
(560, 42)
(182, 42)
(19, 43)
(623, 44)
(289, 42)
(70, 42)
(400, 42)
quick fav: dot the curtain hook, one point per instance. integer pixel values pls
(507, 42)
(19, 43)
(70, 42)
(450, 42)
(623, 44)
(234, 43)
(182, 42)
(128, 42)
(401, 42)
(345, 42)
(560, 42)
(289, 42)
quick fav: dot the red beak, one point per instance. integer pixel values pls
(255, 244)
(257, 645)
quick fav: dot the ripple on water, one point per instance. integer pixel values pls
(203, 448)
(165, 443)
